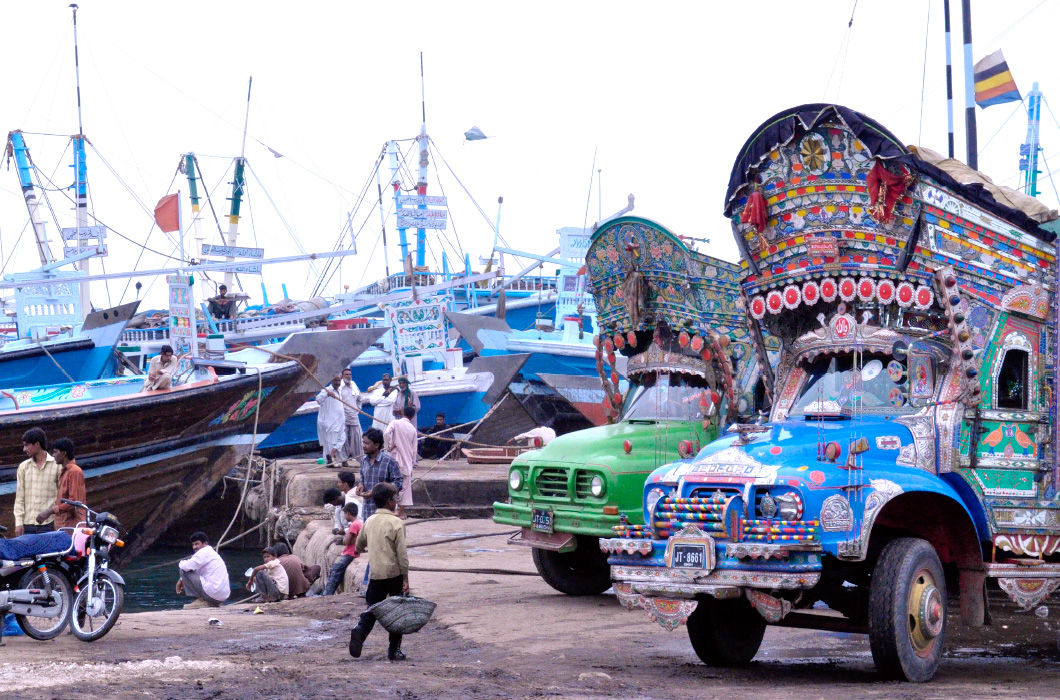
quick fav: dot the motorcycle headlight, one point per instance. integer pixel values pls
(515, 480)
(789, 506)
(596, 486)
(108, 534)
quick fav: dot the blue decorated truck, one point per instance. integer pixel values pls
(909, 457)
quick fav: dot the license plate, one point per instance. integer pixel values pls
(543, 520)
(691, 553)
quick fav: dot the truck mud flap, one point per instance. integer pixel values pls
(556, 542)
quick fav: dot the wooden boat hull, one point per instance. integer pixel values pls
(492, 455)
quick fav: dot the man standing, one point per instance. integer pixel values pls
(376, 467)
(331, 422)
(400, 441)
(433, 448)
(160, 370)
(71, 487)
(406, 397)
(37, 484)
(221, 306)
(382, 395)
(383, 537)
(351, 403)
(203, 576)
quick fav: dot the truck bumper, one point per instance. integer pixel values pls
(572, 521)
(556, 542)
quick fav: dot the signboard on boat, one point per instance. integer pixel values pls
(182, 332)
(84, 233)
(421, 218)
(415, 200)
(233, 251)
(71, 251)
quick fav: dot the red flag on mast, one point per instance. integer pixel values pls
(167, 213)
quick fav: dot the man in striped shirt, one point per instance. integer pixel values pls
(37, 484)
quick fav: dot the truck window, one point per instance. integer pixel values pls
(667, 397)
(834, 387)
(1012, 380)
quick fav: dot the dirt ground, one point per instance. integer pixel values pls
(497, 634)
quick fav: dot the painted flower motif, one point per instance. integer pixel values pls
(78, 391)
(812, 152)
(655, 250)
(612, 255)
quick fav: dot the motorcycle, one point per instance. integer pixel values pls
(40, 569)
(100, 590)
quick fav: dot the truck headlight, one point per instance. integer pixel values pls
(652, 500)
(596, 486)
(515, 480)
(789, 506)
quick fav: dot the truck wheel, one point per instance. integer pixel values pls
(725, 632)
(583, 571)
(907, 610)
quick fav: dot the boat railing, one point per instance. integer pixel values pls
(241, 325)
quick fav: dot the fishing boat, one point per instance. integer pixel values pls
(150, 455)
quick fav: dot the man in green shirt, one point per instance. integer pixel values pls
(383, 537)
(37, 484)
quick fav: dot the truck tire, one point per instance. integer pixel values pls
(583, 571)
(907, 610)
(725, 632)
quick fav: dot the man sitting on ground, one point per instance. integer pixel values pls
(299, 576)
(203, 576)
(270, 578)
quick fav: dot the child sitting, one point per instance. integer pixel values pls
(270, 578)
(338, 569)
(334, 498)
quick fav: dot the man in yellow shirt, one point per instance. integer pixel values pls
(37, 484)
(383, 537)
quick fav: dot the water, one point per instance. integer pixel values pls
(151, 577)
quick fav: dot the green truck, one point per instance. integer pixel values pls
(568, 494)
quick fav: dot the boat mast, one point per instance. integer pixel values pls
(395, 183)
(191, 165)
(1029, 149)
(421, 186)
(81, 175)
(238, 186)
(969, 87)
(23, 164)
(949, 74)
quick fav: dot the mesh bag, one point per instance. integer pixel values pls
(403, 614)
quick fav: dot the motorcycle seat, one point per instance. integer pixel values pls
(25, 546)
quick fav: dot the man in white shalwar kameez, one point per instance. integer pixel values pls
(351, 404)
(331, 422)
(399, 439)
(382, 396)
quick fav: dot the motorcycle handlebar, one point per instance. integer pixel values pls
(68, 502)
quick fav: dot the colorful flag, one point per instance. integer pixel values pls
(167, 213)
(994, 83)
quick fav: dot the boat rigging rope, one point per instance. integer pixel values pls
(61, 368)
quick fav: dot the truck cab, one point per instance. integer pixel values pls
(574, 490)
(909, 453)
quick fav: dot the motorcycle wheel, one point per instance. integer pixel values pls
(62, 593)
(91, 620)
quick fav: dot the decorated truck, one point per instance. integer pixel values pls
(910, 458)
(676, 310)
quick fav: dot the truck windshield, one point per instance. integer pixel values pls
(834, 386)
(667, 397)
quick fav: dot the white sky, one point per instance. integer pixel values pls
(663, 93)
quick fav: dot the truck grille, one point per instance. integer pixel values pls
(582, 480)
(705, 509)
(552, 482)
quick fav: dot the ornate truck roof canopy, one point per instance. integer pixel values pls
(874, 142)
(640, 274)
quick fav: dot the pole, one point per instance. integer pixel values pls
(238, 186)
(382, 217)
(421, 186)
(949, 75)
(969, 87)
(599, 195)
(1029, 150)
(81, 175)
